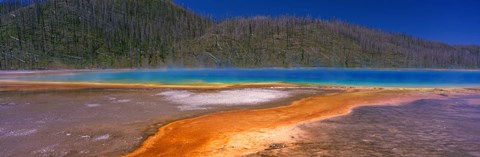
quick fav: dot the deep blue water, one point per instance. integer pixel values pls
(349, 77)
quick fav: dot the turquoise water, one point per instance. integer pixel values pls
(347, 77)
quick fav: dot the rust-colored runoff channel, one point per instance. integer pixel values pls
(245, 131)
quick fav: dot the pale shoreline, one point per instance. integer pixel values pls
(16, 85)
(19, 85)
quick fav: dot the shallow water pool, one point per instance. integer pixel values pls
(324, 76)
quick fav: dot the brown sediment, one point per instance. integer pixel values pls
(247, 131)
(14, 85)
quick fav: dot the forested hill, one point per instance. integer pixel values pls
(95, 33)
(51, 34)
(306, 42)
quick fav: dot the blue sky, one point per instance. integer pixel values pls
(450, 21)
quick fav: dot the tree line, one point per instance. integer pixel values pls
(93, 34)
(289, 41)
(49, 34)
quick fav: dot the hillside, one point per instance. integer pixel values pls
(158, 33)
(94, 34)
(306, 42)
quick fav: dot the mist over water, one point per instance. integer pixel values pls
(349, 77)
